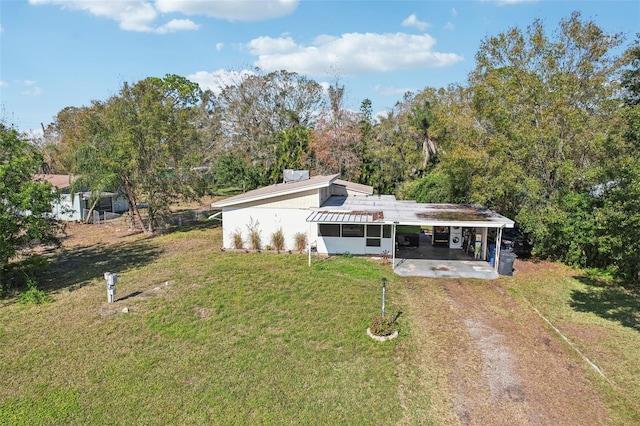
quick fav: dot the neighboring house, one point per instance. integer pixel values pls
(75, 206)
(344, 217)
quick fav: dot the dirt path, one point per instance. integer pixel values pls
(527, 376)
(505, 367)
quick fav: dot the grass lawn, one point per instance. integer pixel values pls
(215, 337)
(233, 338)
(600, 319)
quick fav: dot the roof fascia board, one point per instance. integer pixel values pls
(233, 201)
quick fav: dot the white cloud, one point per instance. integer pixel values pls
(454, 12)
(4, 83)
(132, 15)
(270, 46)
(393, 91)
(177, 25)
(219, 46)
(142, 15)
(219, 79)
(352, 53)
(413, 21)
(449, 26)
(237, 10)
(31, 89)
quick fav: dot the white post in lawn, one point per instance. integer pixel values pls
(384, 290)
(309, 242)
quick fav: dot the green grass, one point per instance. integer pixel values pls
(602, 320)
(261, 338)
(234, 338)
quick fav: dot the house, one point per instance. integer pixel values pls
(344, 217)
(75, 206)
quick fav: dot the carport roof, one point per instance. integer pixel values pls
(385, 209)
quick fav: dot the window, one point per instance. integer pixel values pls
(328, 230)
(373, 242)
(373, 231)
(386, 231)
(349, 230)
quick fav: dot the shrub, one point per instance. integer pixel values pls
(236, 237)
(254, 235)
(381, 326)
(277, 240)
(34, 295)
(300, 241)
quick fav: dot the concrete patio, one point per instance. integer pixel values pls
(431, 261)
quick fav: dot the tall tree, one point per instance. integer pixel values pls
(146, 140)
(336, 141)
(543, 103)
(25, 204)
(252, 111)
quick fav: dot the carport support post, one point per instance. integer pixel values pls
(309, 242)
(393, 247)
(496, 255)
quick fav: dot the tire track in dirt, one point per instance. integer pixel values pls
(509, 369)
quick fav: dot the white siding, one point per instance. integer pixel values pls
(67, 208)
(120, 204)
(338, 245)
(268, 221)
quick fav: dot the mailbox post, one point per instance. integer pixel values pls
(111, 280)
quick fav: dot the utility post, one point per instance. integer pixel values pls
(111, 280)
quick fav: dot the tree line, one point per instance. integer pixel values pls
(546, 130)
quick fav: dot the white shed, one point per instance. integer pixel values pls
(73, 205)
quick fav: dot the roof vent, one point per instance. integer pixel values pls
(291, 175)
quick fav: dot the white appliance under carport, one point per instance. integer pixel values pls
(455, 237)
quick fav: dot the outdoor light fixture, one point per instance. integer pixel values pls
(384, 289)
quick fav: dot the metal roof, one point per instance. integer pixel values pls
(346, 217)
(277, 189)
(377, 209)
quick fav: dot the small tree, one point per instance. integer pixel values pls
(25, 204)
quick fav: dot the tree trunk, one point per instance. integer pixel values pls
(133, 206)
(86, 220)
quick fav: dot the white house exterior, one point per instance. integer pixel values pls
(284, 206)
(70, 206)
(344, 217)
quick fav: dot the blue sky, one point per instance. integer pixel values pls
(59, 53)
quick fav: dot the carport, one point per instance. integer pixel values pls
(432, 226)
(434, 256)
(431, 261)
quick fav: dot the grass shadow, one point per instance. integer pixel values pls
(608, 301)
(199, 225)
(73, 269)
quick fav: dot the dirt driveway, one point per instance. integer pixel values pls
(504, 365)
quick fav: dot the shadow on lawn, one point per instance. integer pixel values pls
(76, 268)
(608, 301)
